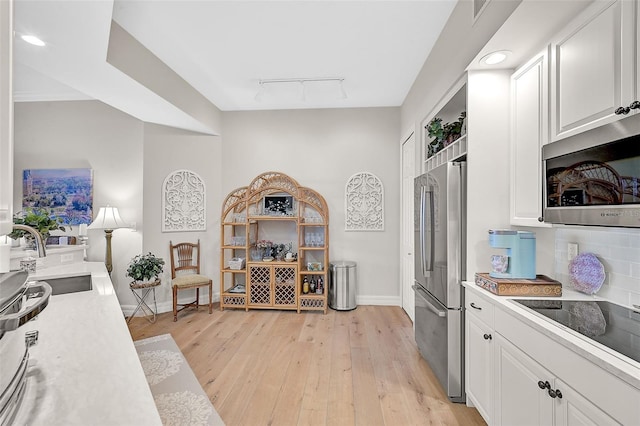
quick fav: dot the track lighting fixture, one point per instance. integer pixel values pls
(306, 86)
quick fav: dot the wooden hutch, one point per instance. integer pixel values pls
(274, 207)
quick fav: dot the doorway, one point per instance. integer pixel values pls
(408, 167)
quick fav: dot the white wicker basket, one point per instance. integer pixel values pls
(237, 263)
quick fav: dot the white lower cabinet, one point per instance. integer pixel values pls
(575, 409)
(479, 367)
(520, 400)
(517, 376)
(528, 394)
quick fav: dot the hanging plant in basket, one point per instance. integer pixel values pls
(145, 268)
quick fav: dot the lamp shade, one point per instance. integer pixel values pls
(108, 218)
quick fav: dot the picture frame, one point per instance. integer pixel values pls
(67, 193)
(281, 204)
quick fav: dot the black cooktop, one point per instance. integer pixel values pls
(614, 326)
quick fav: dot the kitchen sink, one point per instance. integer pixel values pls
(66, 285)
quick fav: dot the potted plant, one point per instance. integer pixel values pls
(38, 218)
(435, 131)
(453, 131)
(145, 268)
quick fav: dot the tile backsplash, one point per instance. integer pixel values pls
(617, 248)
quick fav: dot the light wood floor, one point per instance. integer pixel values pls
(359, 367)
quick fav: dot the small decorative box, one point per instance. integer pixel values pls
(237, 263)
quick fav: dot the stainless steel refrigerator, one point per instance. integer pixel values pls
(440, 235)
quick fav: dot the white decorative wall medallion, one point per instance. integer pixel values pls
(183, 202)
(364, 203)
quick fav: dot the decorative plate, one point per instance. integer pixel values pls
(586, 273)
(267, 259)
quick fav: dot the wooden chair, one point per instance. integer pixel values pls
(185, 274)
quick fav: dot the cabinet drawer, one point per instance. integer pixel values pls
(480, 306)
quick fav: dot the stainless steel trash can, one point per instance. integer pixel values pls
(342, 285)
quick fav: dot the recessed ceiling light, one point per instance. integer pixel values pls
(31, 39)
(495, 58)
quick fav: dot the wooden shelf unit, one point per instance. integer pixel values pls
(274, 284)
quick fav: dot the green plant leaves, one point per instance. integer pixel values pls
(144, 267)
(38, 218)
(443, 134)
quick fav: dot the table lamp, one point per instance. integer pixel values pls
(108, 219)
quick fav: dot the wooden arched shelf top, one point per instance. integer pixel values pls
(235, 202)
(269, 183)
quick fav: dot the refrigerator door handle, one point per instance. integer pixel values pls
(423, 295)
(429, 210)
(426, 217)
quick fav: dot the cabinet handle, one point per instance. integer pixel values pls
(540, 219)
(622, 111)
(634, 105)
(552, 393)
(487, 336)
(475, 307)
(555, 393)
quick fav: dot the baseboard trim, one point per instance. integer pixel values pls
(167, 306)
(379, 300)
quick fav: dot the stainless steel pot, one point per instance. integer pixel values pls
(20, 301)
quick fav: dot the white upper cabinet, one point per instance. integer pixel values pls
(593, 68)
(529, 131)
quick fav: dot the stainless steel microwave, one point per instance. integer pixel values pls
(593, 178)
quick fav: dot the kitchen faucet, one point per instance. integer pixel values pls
(42, 252)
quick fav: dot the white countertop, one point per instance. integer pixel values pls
(85, 364)
(614, 362)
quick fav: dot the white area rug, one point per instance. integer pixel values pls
(179, 397)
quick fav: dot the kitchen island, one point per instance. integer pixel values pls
(84, 369)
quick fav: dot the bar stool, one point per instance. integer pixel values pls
(146, 289)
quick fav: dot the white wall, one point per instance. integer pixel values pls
(617, 248)
(88, 134)
(6, 116)
(130, 161)
(321, 149)
(488, 164)
(167, 150)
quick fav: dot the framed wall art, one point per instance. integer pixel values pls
(278, 205)
(67, 193)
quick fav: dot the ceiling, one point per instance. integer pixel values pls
(224, 49)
